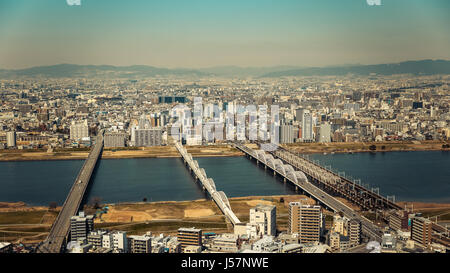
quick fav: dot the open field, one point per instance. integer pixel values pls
(19, 223)
(108, 153)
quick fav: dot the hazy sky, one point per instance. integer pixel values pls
(201, 33)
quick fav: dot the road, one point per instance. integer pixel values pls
(60, 229)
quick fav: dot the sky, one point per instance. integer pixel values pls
(205, 33)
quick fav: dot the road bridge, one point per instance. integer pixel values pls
(208, 184)
(59, 233)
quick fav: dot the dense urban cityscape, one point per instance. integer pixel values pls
(66, 114)
(224, 135)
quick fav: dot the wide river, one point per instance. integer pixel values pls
(411, 176)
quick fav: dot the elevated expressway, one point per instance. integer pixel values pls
(208, 184)
(59, 233)
(300, 180)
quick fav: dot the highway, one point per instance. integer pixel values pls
(59, 232)
(300, 180)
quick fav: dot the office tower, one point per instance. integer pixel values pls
(189, 237)
(148, 137)
(11, 139)
(113, 140)
(140, 244)
(325, 133)
(305, 220)
(307, 130)
(80, 226)
(265, 217)
(299, 114)
(79, 130)
(354, 232)
(286, 134)
(421, 231)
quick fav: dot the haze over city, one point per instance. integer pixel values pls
(200, 33)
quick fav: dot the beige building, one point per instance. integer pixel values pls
(265, 218)
(305, 220)
(340, 224)
(421, 231)
(189, 237)
(79, 130)
(354, 232)
(140, 244)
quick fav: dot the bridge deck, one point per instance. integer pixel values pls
(300, 180)
(219, 197)
(60, 229)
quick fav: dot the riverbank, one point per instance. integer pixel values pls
(361, 147)
(222, 150)
(108, 153)
(21, 223)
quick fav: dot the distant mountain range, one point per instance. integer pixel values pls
(422, 67)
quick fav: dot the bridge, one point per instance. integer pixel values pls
(208, 184)
(300, 181)
(59, 233)
(336, 183)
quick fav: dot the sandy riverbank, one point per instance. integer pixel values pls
(22, 223)
(145, 152)
(222, 150)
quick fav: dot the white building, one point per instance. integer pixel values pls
(264, 217)
(79, 130)
(307, 123)
(11, 139)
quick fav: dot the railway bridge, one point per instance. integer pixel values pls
(300, 180)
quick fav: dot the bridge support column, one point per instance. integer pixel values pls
(296, 188)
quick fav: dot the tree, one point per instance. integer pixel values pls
(53, 205)
(96, 202)
(145, 199)
(281, 200)
(372, 147)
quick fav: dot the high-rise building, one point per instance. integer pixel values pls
(113, 140)
(80, 226)
(286, 134)
(421, 231)
(354, 232)
(306, 221)
(148, 137)
(399, 220)
(189, 237)
(299, 114)
(11, 139)
(140, 244)
(325, 133)
(265, 217)
(79, 130)
(307, 126)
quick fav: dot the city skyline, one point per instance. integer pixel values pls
(199, 34)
